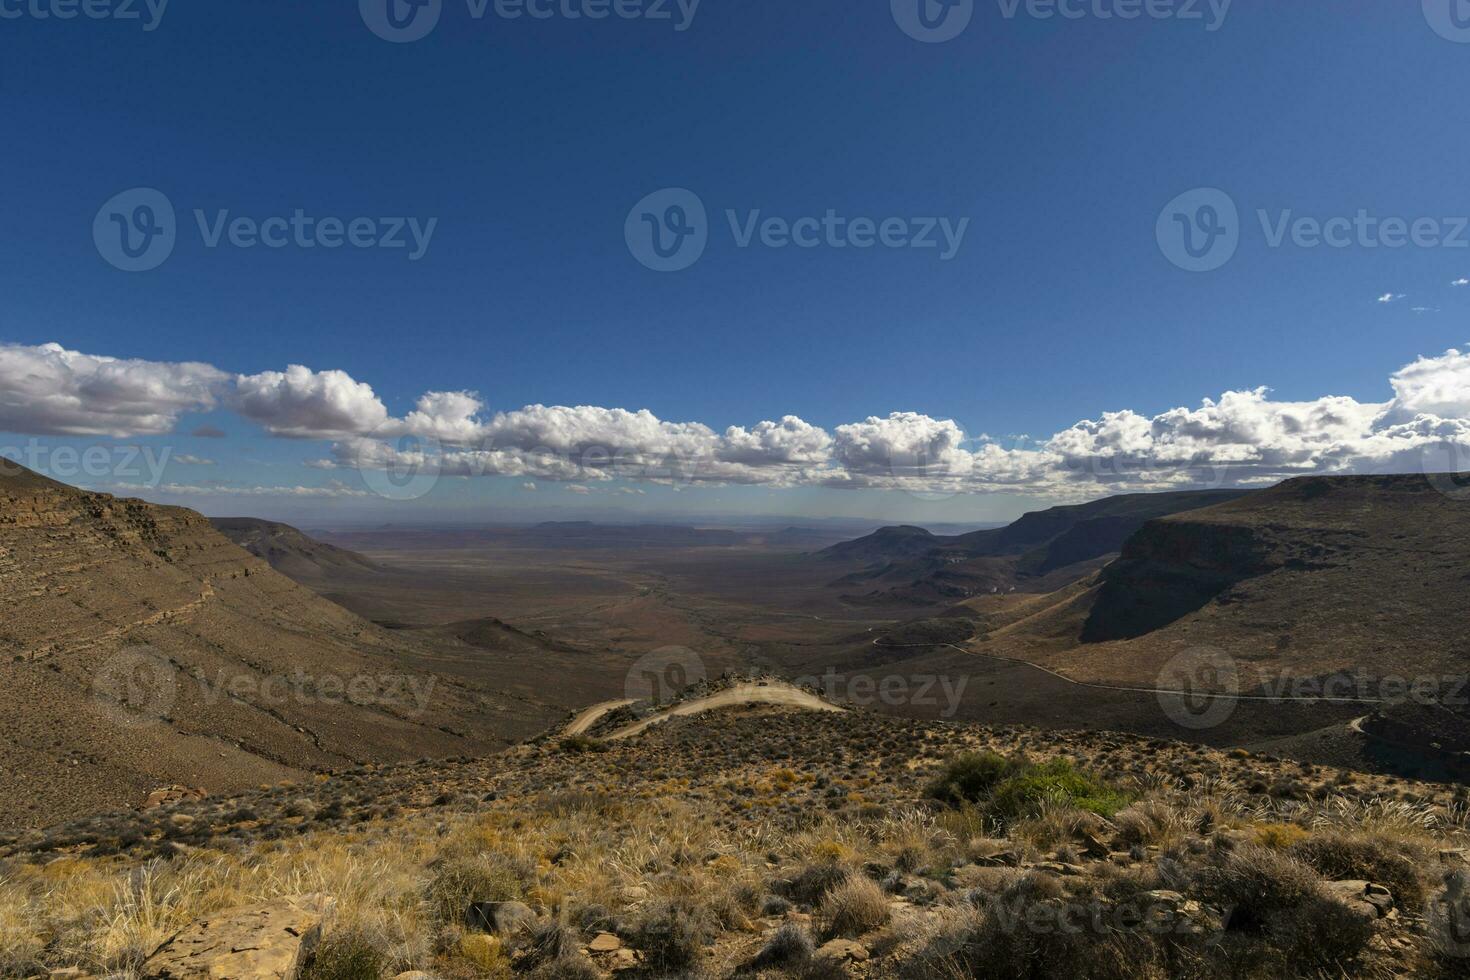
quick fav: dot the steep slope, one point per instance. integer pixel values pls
(1314, 576)
(1040, 552)
(142, 648)
(289, 551)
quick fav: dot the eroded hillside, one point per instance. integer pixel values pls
(140, 648)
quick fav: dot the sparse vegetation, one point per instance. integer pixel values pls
(709, 846)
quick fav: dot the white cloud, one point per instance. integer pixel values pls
(1461, 282)
(528, 486)
(305, 404)
(189, 460)
(1241, 437)
(1390, 297)
(220, 490)
(49, 390)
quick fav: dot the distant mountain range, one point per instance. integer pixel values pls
(1040, 552)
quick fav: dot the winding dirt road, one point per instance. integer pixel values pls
(772, 693)
(588, 716)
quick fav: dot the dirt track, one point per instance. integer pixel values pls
(588, 717)
(783, 694)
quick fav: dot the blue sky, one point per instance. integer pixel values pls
(528, 141)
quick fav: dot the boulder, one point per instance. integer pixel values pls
(499, 917)
(844, 949)
(1373, 901)
(270, 941)
(605, 942)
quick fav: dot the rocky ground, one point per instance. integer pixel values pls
(767, 841)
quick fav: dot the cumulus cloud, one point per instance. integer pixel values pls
(49, 390)
(306, 404)
(1243, 437)
(1390, 297)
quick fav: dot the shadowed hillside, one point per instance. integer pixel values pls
(1314, 576)
(141, 648)
(289, 551)
(1040, 552)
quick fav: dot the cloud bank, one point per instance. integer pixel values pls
(1239, 438)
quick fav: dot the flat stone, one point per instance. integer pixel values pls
(605, 942)
(415, 975)
(844, 949)
(270, 941)
(1060, 868)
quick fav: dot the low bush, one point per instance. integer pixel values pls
(791, 945)
(854, 908)
(1338, 855)
(672, 933)
(346, 956)
(578, 744)
(1274, 899)
(1024, 793)
(459, 882)
(970, 776)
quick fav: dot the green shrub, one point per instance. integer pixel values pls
(1058, 781)
(970, 776)
(348, 956)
